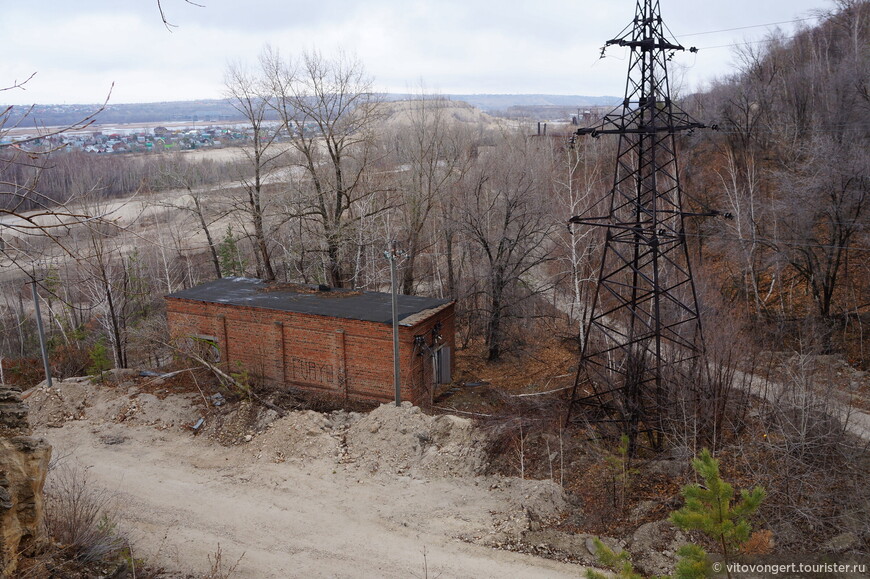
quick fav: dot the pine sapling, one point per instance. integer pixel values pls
(99, 356)
(619, 562)
(621, 472)
(712, 509)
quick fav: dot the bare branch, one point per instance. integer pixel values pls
(169, 26)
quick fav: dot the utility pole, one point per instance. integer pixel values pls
(645, 328)
(393, 254)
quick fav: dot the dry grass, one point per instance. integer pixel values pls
(81, 517)
(217, 567)
(80, 525)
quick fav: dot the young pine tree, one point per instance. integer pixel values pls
(100, 361)
(231, 261)
(712, 509)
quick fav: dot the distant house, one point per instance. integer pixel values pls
(333, 341)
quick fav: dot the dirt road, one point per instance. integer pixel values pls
(180, 497)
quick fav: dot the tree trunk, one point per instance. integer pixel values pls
(120, 357)
(451, 278)
(408, 269)
(493, 326)
(334, 268)
(211, 244)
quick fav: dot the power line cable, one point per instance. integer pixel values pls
(747, 43)
(745, 27)
(777, 242)
(736, 44)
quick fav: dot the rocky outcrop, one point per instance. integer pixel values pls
(654, 547)
(23, 467)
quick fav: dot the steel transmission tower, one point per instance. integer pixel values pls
(644, 328)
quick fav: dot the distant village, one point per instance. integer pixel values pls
(139, 138)
(187, 125)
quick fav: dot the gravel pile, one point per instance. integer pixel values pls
(404, 440)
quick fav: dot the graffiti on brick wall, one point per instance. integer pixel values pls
(311, 372)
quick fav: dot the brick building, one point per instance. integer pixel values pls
(317, 338)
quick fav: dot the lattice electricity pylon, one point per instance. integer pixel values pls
(644, 329)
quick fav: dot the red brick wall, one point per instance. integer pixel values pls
(348, 358)
(416, 366)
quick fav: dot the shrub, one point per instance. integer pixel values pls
(81, 517)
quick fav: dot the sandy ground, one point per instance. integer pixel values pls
(309, 496)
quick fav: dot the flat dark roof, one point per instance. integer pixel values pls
(304, 299)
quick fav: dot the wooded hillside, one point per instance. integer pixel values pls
(790, 162)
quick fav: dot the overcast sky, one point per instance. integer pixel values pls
(78, 48)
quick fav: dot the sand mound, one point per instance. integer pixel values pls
(544, 498)
(84, 399)
(390, 440)
(235, 423)
(403, 440)
(298, 436)
(178, 410)
(66, 400)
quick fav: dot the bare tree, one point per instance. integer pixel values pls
(743, 198)
(330, 111)
(27, 213)
(246, 95)
(824, 210)
(578, 183)
(429, 153)
(190, 178)
(505, 220)
(110, 275)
